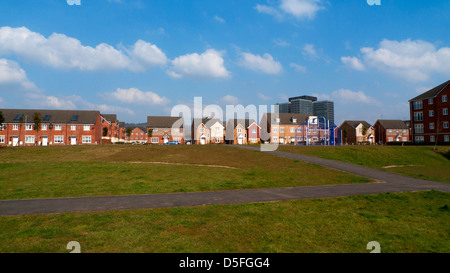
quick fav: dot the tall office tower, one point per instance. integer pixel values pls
(324, 109)
(284, 107)
(311, 98)
(301, 106)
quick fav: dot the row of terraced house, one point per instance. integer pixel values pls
(429, 123)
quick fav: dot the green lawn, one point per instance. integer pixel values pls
(403, 222)
(416, 161)
(68, 171)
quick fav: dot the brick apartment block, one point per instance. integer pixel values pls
(58, 127)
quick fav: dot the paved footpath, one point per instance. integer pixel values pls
(386, 182)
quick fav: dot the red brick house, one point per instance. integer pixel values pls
(237, 131)
(358, 131)
(165, 129)
(253, 133)
(111, 123)
(429, 115)
(138, 135)
(391, 131)
(58, 127)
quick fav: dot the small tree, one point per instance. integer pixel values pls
(345, 134)
(129, 130)
(364, 132)
(150, 133)
(2, 119)
(105, 131)
(37, 124)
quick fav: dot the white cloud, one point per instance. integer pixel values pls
(265, 63)
(411, 60)
(134, 95)
(309, 50)
(281, 42)
(349, 96)
(353, 63)
(209, 64)
(229, 99)
(298, 68)
(300, 9)
(264, 97)
(148, 54)
(269, 10)
(61, 51)
(12, 74)
(219, 19)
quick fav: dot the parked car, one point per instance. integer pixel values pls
(171, 143)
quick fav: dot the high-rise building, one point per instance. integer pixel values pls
(324, 109)
(308, 105)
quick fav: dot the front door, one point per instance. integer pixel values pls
(73, 141)
(240, 140)
(203, 140)
(15, 141)
(45, 141)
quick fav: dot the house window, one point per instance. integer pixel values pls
(73, 127)
(217, 139)
(444, 98)
(282, 130)
(15, 126)
(299, 130)
(417, 105)
(275, 129)
(2, 139)
(431, 138)
(177, 139)
(58, 127)
(87, 128)
(29, 139)
(202, 130)
(419, 139)
(155, 129)
(59, 139)
(418, 116)
(418, 128)
(275, 139)
(430, 101)
(254, 130)
(44, 127)
(445, 124)
(29, 127)
(446, 138)
(239, 130)
(87, 139)
(292, 130)
(432, 126)
(404, 139)
(390, 139)
(155, 140)
(431, 113)
(445, 111)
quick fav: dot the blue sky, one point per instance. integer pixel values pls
(138, 58)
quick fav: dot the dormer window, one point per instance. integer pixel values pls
(277, 120)
(294, 120)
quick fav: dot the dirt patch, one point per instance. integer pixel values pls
(399, 166)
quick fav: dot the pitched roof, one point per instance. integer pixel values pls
(355, 123)
(244, 122)
(432, 93)
(208, 122)
(165, 122)
(51, 116)
(121, 124)
(392, 124)
(110, 117)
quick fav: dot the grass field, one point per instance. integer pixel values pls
(404, 222)
(401, 222)
(416, 161)
(68, 171)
